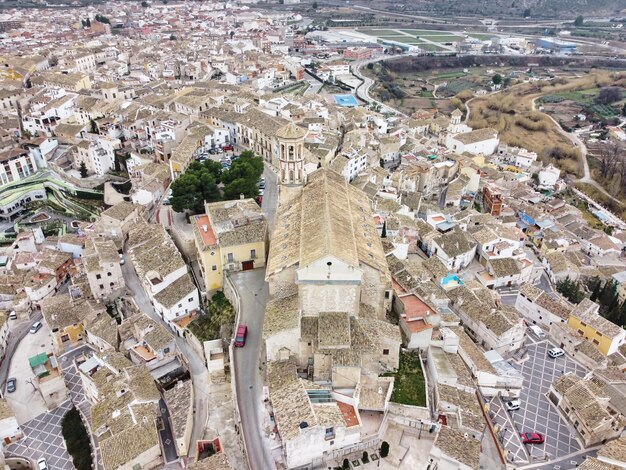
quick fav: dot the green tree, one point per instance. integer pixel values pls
(496, 79)
(595, 286)
(83, 170)
(144, 4)
(172, 37)
(384, 449)
(239, 186)
(346, 464)
(526, 13)
(314, 5)
(571, 290)
(384, 233)
(579, 21)
(197, 185)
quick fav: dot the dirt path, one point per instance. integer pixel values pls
(579, 144)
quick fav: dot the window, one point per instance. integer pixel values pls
(180, 305)
(582, 323)
(190, 299)
(109, 274)
(65, 338)
(253, 254)
(385, 352)
(581, 332)
(231, 258)
(330, 433)
(598, 333)
(596, 342)
(98, 276)
(213, 268)
(111, 284)
(166, 350)
(387, 294)
(101, 286)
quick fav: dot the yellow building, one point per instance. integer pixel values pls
(231, 236)
(587, 322)
(64, 317)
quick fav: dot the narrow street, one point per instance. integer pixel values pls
(253, 292)
(199, 373)
(270, 197)
(18, 329)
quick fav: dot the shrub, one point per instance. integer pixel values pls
(384, 449)
(346, 464)
(366, 457)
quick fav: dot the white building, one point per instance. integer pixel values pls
(548, 177)
(482, 141)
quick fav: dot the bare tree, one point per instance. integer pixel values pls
(609, 157)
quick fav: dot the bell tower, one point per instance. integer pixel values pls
(291, 154)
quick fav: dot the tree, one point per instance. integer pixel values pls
(609, 95)
(384, 449)
(526, 13)
(197, 185)
(232, 33)
(102, 19)
(365, 458)
(314, 5)
(496, 79)
(571, 290)
(172, 37)
(144, 4)
(346, 464)
(281, 2)
(594, 285)
(384, 232)
(579, 21)
(83, 170)
(93, 127)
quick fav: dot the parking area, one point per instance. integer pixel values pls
(27, 402)
(43, 438)
(536, 413)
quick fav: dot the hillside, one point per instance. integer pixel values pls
(505, 8)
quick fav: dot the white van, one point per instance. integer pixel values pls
(538, 332)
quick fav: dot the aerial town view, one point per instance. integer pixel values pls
(312, 234)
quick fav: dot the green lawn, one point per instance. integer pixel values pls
(430, 47)
(440, 39)
(378, 32)
(409, 387)
(480, 36)
(424, 32)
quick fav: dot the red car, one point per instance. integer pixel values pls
(228, 148)
(240, 337)
(531, 438)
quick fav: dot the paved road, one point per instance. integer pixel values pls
(18, 329)
(199, 373)
(253, 292)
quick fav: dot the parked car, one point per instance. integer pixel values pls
(240, 337)
(513, 405)
(262, 183)
(261, 192)
(122, 260)
(35, 327)
(532, 438)
(13, 315)
(259, 200)
(11, 384)
(538, 332)
(555, 352)
(212, 151)
(228, 148)
(167, 202)
(42, 464)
